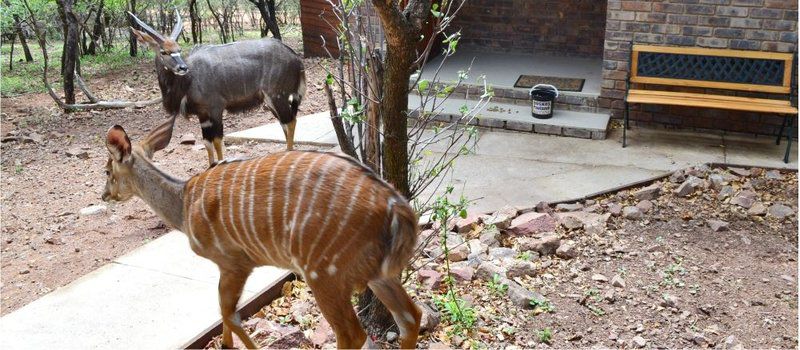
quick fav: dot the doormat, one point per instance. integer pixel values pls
(561, 83)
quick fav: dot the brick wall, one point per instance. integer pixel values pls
(572, 27)
(767, 25)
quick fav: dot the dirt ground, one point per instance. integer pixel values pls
(57, 168)
(705, 270)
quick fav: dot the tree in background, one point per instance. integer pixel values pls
(267, 10)
(374, 79)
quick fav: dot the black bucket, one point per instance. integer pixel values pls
(543, 97)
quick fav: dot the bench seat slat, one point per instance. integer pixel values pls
(711, 101)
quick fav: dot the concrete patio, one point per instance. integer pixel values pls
(510, 168)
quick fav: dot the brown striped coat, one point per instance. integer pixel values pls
(321, 215)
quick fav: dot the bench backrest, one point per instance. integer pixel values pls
(712, 68)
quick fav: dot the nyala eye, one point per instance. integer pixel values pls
(108, 172)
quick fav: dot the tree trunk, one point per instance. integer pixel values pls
(133, 51)
(193, 19)
(267, 10)
(22, 41)
(11, 55)
(97, 31)
(70, 54)
(272, 24)
(222, 33)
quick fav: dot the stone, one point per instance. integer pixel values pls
(490, 237)
(688, 187)
(744, 199)
(717, 225)
(391, 336)
(187, 139)
(477, 248)
(594, 208)
(567, 251)
(458, 253)
(569, 207)
(701, 170)
(669, 300)
(431, 279)
(501, 253)
(498, 220)
(462, 274)
(615, 209)
(77, 153)
(439, 346)
(570, 222)
(532, 223)
(487, 270)
(547, 245)
(758, 209)
(725, 192)
(520, 296)
(632, 213)
(618, 281)
(758, 184)
(740, 171)
(774, 175)
(53, 240)
(645, 206)
(464, 225)
(299, 310)
(599, 278)
(294, 340)
(677, 177)
(731, 343)
(543, 207)
(323, 334)
(93, 210)
(638, 342)
(521, 268)
(430, 318)
(582, 219)
(699, 339)
(647, 193)
(780, 211)
(717, 181)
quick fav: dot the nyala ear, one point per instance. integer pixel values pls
(145, 39)
(118, 144)
(158, 139)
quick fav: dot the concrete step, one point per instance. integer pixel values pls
(159, 296)
(516, 117)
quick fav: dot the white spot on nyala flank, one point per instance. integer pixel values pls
(291, 98)
(331, 270)
(313, 275)
(206, 124)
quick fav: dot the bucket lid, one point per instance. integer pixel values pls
(543, 87)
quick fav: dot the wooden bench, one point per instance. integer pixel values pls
(720, 69)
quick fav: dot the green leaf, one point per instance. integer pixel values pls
(329, 79)
(463, 213)
(423, 85)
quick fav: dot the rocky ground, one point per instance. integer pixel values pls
(54, 226)
(704, 259)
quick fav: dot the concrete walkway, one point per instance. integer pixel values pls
(159, 296)
(510, 168)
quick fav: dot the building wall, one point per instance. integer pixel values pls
(315, 16)
(565, 27)
(765, 25)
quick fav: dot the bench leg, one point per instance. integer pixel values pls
(788, 139)
(625, 125)
(780, 133)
